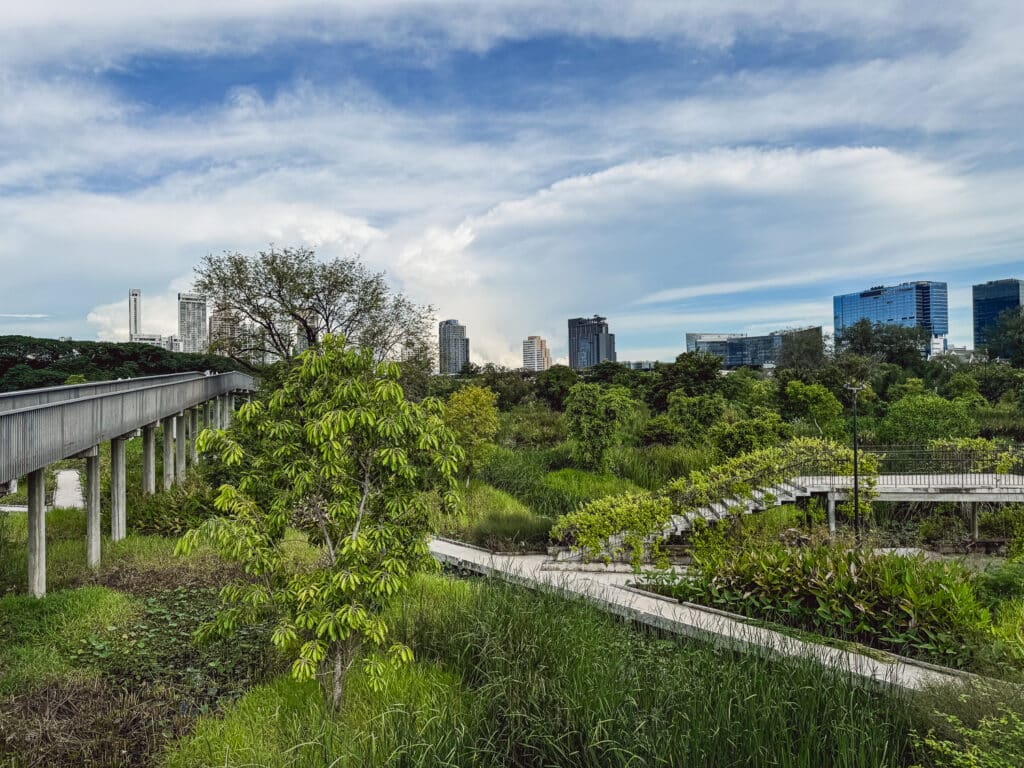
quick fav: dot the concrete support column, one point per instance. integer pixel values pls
(92, 507)
(168, 425)
(180, 445)
(974, 519)
(118, 488)
(193, 422)
(218, 413)
(229, 409)
(149, 458)
(37, 533)
(831, 515)
(12, 487)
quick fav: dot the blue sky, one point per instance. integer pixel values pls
(697, 167)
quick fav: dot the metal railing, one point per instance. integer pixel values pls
(35, 436)
(13, 401)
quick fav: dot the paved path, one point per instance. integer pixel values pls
(609, 590)
(68, 493)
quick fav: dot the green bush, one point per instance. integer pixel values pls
(1004, 581)
(174, 511)
(532, 425)
(910, 605)
(1005, 522)
(943, 527)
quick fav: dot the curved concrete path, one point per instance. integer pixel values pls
(609, 590)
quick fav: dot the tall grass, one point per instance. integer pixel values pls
(495, 520)
(506, 677)
(657, 465)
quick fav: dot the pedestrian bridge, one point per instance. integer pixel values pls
(41, 426)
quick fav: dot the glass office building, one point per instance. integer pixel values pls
(453, 347)
(590, 342)
(991, 299)
(921, 304)
(738, 350)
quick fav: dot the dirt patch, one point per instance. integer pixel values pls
(94, 723)
(198, 573)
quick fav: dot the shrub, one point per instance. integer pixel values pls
(532, 425)
(747, 435)
(1005, 522)
(1001, 582)
(172, 512)
(943, 527)
(925, 609)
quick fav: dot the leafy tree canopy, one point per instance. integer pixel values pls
(918, 419)
(594, 415)
(338, 453)
(287, 300)
(553, 385)
(472, 416)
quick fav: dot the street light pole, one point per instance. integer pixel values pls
(856, 389)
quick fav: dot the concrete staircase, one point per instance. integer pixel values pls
(761, 499)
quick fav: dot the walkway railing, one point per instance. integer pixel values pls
(13, 401)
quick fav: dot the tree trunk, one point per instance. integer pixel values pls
(344, 655)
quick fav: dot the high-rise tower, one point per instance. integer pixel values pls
(134, 313)
(590, 342)
(453, 347)
(192, 322)
(535, 354)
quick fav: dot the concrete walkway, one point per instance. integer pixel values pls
(68, 493)
(609, 590)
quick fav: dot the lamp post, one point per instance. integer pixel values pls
(856, 389)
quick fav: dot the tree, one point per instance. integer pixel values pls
(906, 388)
(695, 373)
(897, 344)
(472, 416)
(553, 385)
(746, 435)
(511, 387)
(918, 419)
(1005, 340)
(802, 351)
(817, 405)
(694, 416)
(594, 415)
(288, 300)
(339, 453)
(76, 378)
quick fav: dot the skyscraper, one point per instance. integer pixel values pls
(225, 331)
(991, 299)
(134, 313)
(192, 322)
(453, 347)
(590, 342)
(535, 354)
(921, 304)
(738, 350)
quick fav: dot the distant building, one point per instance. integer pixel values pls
(536, 356)
(134, 313)
(638, 365)
(453, 347)
(590, 342)
(738, 350)
(991, 299)
(921, 304)
(192, 322)
(225, 332)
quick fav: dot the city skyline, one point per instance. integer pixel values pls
(676, 167)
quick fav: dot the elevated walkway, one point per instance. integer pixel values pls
(39, 427)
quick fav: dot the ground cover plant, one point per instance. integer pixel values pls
(508, 677)
(493, 519)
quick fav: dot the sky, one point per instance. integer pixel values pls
(676, 167)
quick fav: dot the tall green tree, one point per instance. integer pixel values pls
(919, 419)
(553, 385)
(338, 453)
(288, 300)
(472, 416)
(695, 373)
(1005, 340)
(815, 404)
(595, 415)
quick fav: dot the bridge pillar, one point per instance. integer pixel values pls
(118, 488)
(180, 445)
(149, 458)
(193, 424)
(831, 514)
(37, 533)
(229, 408)
(92, 507)
(974, 520)
(168, 425)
